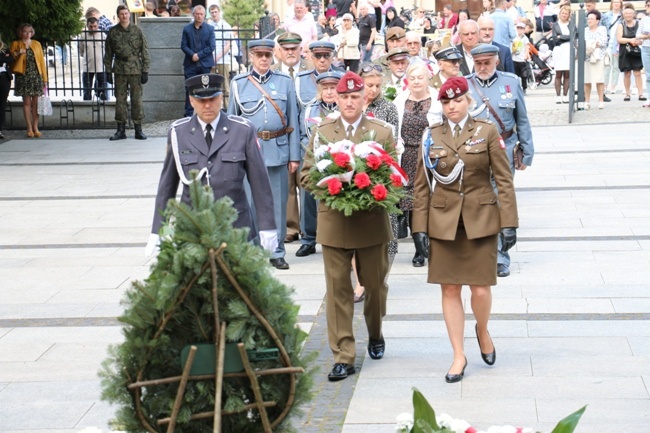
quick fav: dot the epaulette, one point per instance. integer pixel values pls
(509, 75)
(281, 74)
(379, 122)
(327, 121)
(436, 125)
(305, 72)
(482, 120)
(179, 122)
(240, 120)
(240, 76)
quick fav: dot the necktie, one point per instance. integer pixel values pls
(349, 130)
(456, 133)
(291, 71)
(208, 135)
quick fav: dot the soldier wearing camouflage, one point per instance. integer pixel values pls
(127, 57)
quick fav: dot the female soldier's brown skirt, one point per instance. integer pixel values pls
(463, 261)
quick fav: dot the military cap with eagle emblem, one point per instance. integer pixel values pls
(453, 88)
(205, 86)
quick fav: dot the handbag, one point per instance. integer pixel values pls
(607, 60)
(45, 104)
(632, 50)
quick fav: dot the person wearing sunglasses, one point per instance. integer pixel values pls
(267, 98)
(322, 54)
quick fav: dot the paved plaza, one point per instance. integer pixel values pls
(571, 325)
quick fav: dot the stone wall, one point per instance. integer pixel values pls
(164, 94)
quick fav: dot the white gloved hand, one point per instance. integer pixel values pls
(269, 239)
(152, 245)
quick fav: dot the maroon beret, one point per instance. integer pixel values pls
(350, 82)
(453, 88)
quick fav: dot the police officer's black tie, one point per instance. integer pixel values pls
(208, 135)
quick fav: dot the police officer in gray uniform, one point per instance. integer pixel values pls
(223, 149)
(500, 98)
(268, 99)
(322, 54)
(313, 114)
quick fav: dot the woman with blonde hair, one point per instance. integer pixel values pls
(31, 75)
(5, 81)
(457, 211)
(419, 104)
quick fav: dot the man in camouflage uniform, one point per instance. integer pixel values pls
(128, 58)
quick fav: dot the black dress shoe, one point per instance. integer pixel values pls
(418, 260)
(340, 371)
(306, 250)
(279, 263)
(502, 270)
(488, 358)
(376, 348)
(453, 378)
(290, 238)
(606, 99)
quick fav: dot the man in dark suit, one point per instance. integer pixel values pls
(362, 236)
(223, 148)
(471, 34)
(486, 36)
(198, 44)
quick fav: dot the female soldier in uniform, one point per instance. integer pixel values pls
(456, 207)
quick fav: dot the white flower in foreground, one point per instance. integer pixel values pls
(404, 422)
(323, 164)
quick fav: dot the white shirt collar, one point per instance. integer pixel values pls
(355, 125)
(214, 123)
(462, 123)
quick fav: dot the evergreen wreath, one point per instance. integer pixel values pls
(173, 308)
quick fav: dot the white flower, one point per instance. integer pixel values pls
(342, 146)
(320, 151)
(404, 422)
(455, 425)
(323, 164)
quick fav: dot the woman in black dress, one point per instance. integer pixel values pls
(628, 61)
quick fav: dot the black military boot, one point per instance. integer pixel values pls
(120, 134)
(139, 135)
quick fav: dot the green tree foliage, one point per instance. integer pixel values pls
(243, 13)
(53, 20)
(152, 351)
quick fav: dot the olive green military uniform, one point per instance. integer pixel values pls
(364, 235)
(127, 57)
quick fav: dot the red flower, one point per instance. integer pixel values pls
(341, 159)
(362, 180)
(334, 186)
(379, 192)
(396, 180)
(387, 158)
(373, 161)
